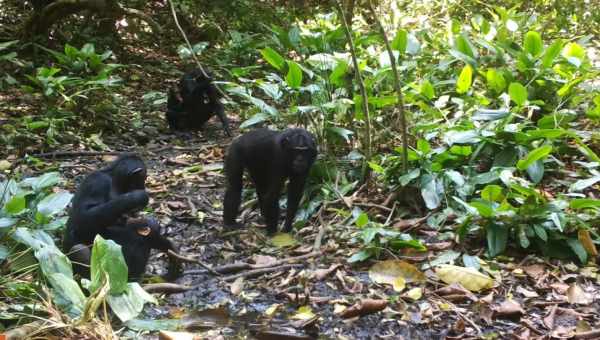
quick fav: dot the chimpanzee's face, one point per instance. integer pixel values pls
(129, 175)
(301, 152)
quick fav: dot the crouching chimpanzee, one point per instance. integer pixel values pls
(194, 102)
(270, 157)
(101, 207)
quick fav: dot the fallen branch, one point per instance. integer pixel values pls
(364, 307)
(190, 260)
(166, 287)
(258, 272)
(77, 154)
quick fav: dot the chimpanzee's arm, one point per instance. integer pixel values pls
(94, 209)
(219, 111)
(294, 194)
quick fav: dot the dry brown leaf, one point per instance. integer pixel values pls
(526, 292)
(169, 335)
(549, 319)
(586, 241)
(320, 274)
(455, 289)
(364, 307)
(237, 286)
(535, 271)
(263, 260)
(576, 295)
(508, 308)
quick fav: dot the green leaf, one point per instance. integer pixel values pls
(427, 90)
(67, 294)
(490, 115)
(431, 191)
(376, 168)
(574, 53)
(16, 205)
(46, 180)
(518, 93)
(256, 119)
(484, 209)
(407, 178)
(273, 58)
(540, 231)
(129, 304)
(107, 258)
(54, 203)
(578, 249)
(536, 171)
(497, 238)
(535, 155)
(533, 43)
(495, 80)
(400, 41)
(463, 83)
(584, 183)
(423, 146)
(551, 53)
(584, 203)
(362, 255)
(337, 75)
(492, 193)
(294, 75)
(464, 46)
(362, 220)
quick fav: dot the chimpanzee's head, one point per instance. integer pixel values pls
(128, 173)
(300, 150)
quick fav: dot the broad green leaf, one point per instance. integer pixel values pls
(461, 150)
(518, 93)
(46, 180)
(492, 193)
(52, 260)
(378, 169)
(54, 203)
(574, 53)
(483, 208)
(337, 75)
(400, 41)
(16, 205)
(540, 231)
(578, 249)
(463, 83)
(423, 146)
(533, 43)
(584, 183)
(490, 115)
(294, 75)
(129, 304)
(256, 119)
(551, 53)
(497, 238)
(67, 294)
(536, 171)
(360, 256)
(35, 239)
(405, 179)
(536, 154)
(362, 220)
(339, 131)
(4, 252)
(461, 137)
(464, 46)
(584, 203)
(431, 190)
(108, 258)
(282, 240)
(273, 58)
(427, 90)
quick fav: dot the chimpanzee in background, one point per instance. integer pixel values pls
(270, 157)
(100, 207)
(194, 102)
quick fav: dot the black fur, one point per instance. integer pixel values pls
(270, 157)
(194, 102)
(101, 206)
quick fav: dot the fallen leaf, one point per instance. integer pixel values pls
(469, 278)
(282, 240)
(364, 307)
(4, 165)
(263, 260)
(320, 274)
(535, 271)
(527, 293)
(237, 286)
(396, 273)
(168, 335)
(415, 293)
(576, 295)
(508, 308)
(303, 313)
(272, 309)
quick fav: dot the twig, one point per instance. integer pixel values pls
(258, 272)
(361, 85)
(165, 287)
(593, 334)
(397, 87)
(322, 229)
(189, 45)
(190, 260)
(77, 153)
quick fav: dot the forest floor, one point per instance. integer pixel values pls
(312, 294)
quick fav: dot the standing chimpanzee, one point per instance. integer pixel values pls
(101, 206)
(194, 102)
(271, 157)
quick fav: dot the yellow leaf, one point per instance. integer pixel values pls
(469, 278)
(237, 286)
(281, 240)
(338, 309)
(415, 293)
(586, 242)
(272, 309)
(304, 313)
(396, 273)
(4, 165)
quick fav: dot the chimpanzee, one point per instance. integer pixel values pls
(194, 102)
(101, 206)
(270, 157)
